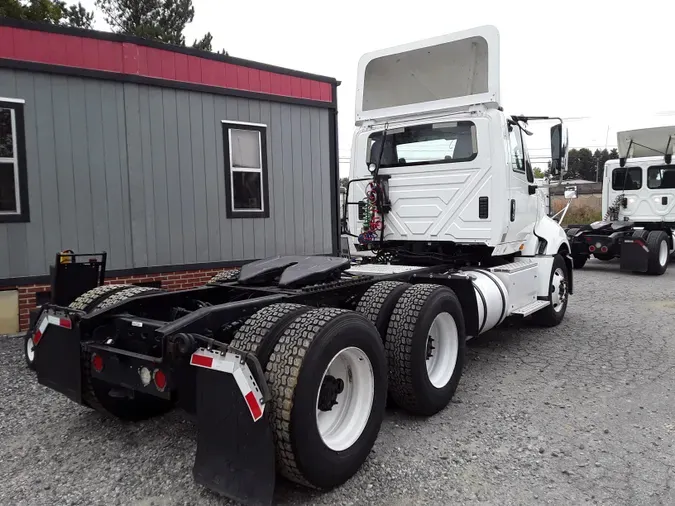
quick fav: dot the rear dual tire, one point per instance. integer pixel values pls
(425, 345)
(323, 433)
(659, 251)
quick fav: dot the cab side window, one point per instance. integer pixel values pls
(516, 149)
(520, 162)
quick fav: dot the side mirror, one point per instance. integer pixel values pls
(571, 193)
(559, 147)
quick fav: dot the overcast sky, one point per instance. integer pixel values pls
(610, 63)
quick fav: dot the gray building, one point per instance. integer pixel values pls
(171, 160)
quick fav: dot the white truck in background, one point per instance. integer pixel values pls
(638, 206)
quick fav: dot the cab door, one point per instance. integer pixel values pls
(522, 207)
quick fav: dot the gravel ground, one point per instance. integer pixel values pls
(580, 414)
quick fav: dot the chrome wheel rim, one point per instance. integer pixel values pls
(559, 292)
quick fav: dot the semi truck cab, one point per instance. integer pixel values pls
(454, 167)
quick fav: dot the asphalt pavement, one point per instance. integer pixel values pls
(583, 413)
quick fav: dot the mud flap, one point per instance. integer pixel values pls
(235, 453)
(57, 355)
(634, 256)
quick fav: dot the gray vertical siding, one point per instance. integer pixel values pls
(139, 171)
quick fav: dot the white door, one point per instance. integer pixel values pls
(522, 207)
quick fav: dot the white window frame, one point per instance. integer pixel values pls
(261, 130)
(18, 153)
(258, 170)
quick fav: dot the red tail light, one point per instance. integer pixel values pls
(97, 362)
(160, 380)
(591, 248)
(604, 249)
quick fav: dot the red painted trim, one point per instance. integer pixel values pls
(133, 59)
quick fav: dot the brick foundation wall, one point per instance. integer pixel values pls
(169, 281)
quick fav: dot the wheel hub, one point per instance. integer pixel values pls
(330, 389)
(430, 347)
(559, 290)
(345, 398)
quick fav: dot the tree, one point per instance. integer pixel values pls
(54, 12)
(581, 164)
(162, 20)
(601, 157)
(205, 44)
(79, 16)
(538, 173)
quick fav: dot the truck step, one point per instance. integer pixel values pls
(531, 308)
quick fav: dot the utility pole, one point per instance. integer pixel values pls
(597, 170)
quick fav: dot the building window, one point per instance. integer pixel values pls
(13, 179)
(246, 185)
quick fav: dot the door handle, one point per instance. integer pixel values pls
(513, 209)
(664, 201)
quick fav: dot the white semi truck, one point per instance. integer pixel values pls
(638, 206)
(287, 363)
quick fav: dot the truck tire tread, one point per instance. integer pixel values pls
(126, 294)
(260, 333)
(654, 240)
(297, 354)
(225, 276)
(379, 301)
(91, 298)
(405, 387)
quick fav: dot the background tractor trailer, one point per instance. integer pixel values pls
(638, 205)
(287, 363)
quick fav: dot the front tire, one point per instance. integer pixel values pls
(327, 359)
(657, 241)
(558, 295)
(425, 348)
